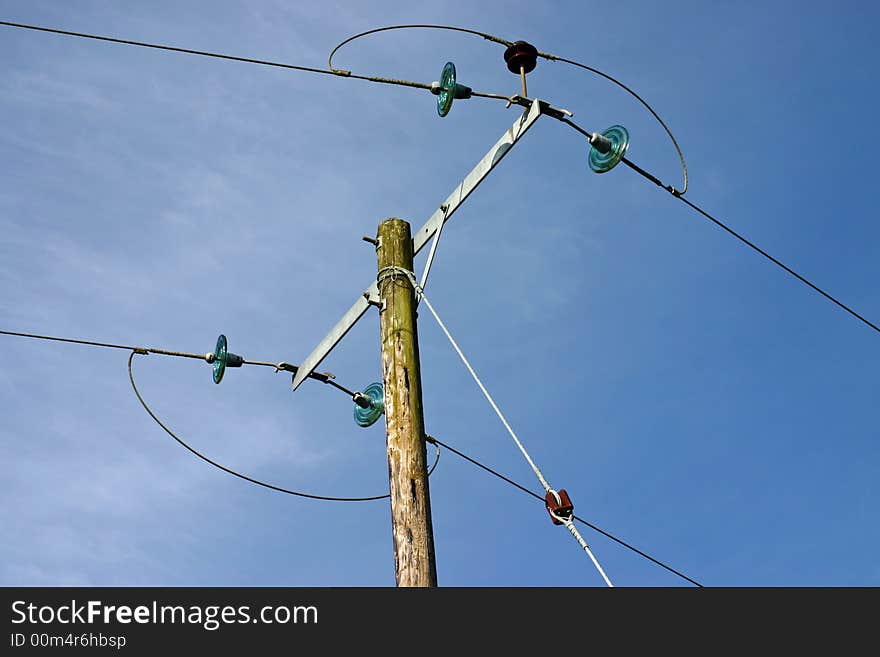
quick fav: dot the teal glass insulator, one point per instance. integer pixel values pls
(219, 364)
(365, 417)
(447, 89)
(602, 162)
(223, 358)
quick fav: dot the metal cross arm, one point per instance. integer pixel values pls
(430, 229)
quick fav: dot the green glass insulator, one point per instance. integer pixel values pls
(365, 417)
(219, 364)
(602, 162)
(447, 89)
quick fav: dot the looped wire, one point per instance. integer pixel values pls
(488, 37)
(645, 104)
(393, 271)
(252, 480)
(545, 55)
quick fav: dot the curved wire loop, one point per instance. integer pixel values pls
(279, 489)
(610, 78)
(488, 37)
(545, 55)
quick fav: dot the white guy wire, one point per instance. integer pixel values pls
(419, 292)
(497, 410)
(569, 525)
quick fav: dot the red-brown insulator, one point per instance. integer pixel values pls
(521, 55)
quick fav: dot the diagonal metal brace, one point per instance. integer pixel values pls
(431, 227)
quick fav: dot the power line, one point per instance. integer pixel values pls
(156, 46)
(434, 441)
(108, 345)
(142, 351)
(348, 74)
(488, 37)
(680, 196)
(193, 450)
(248, 60)
(749, 243)
(323, 377)
(91, 343)
(545, 55)
(431, 439)
(632, 93)
(495, 473)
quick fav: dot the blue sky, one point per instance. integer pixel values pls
(692, 398)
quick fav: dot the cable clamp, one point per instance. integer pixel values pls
(323, 377)
(373, 301)
(362, 400)
(559, 506)
(600, 142)
(546, 108)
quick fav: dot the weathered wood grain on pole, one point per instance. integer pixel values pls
(413, 534)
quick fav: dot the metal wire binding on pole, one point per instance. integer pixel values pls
(392, 272)
(180, 441)
(434, 440)
(247, 60)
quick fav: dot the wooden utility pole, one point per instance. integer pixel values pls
(413, 534)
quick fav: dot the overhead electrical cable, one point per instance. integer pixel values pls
(436, 442)
(610, 78)
(428, 26)
(545, 55)
(675, 193)
(327, 378)
(432, 440)
(750, 244)
(235, 58)
(193, 450)
(324, 377)
(446, 446)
